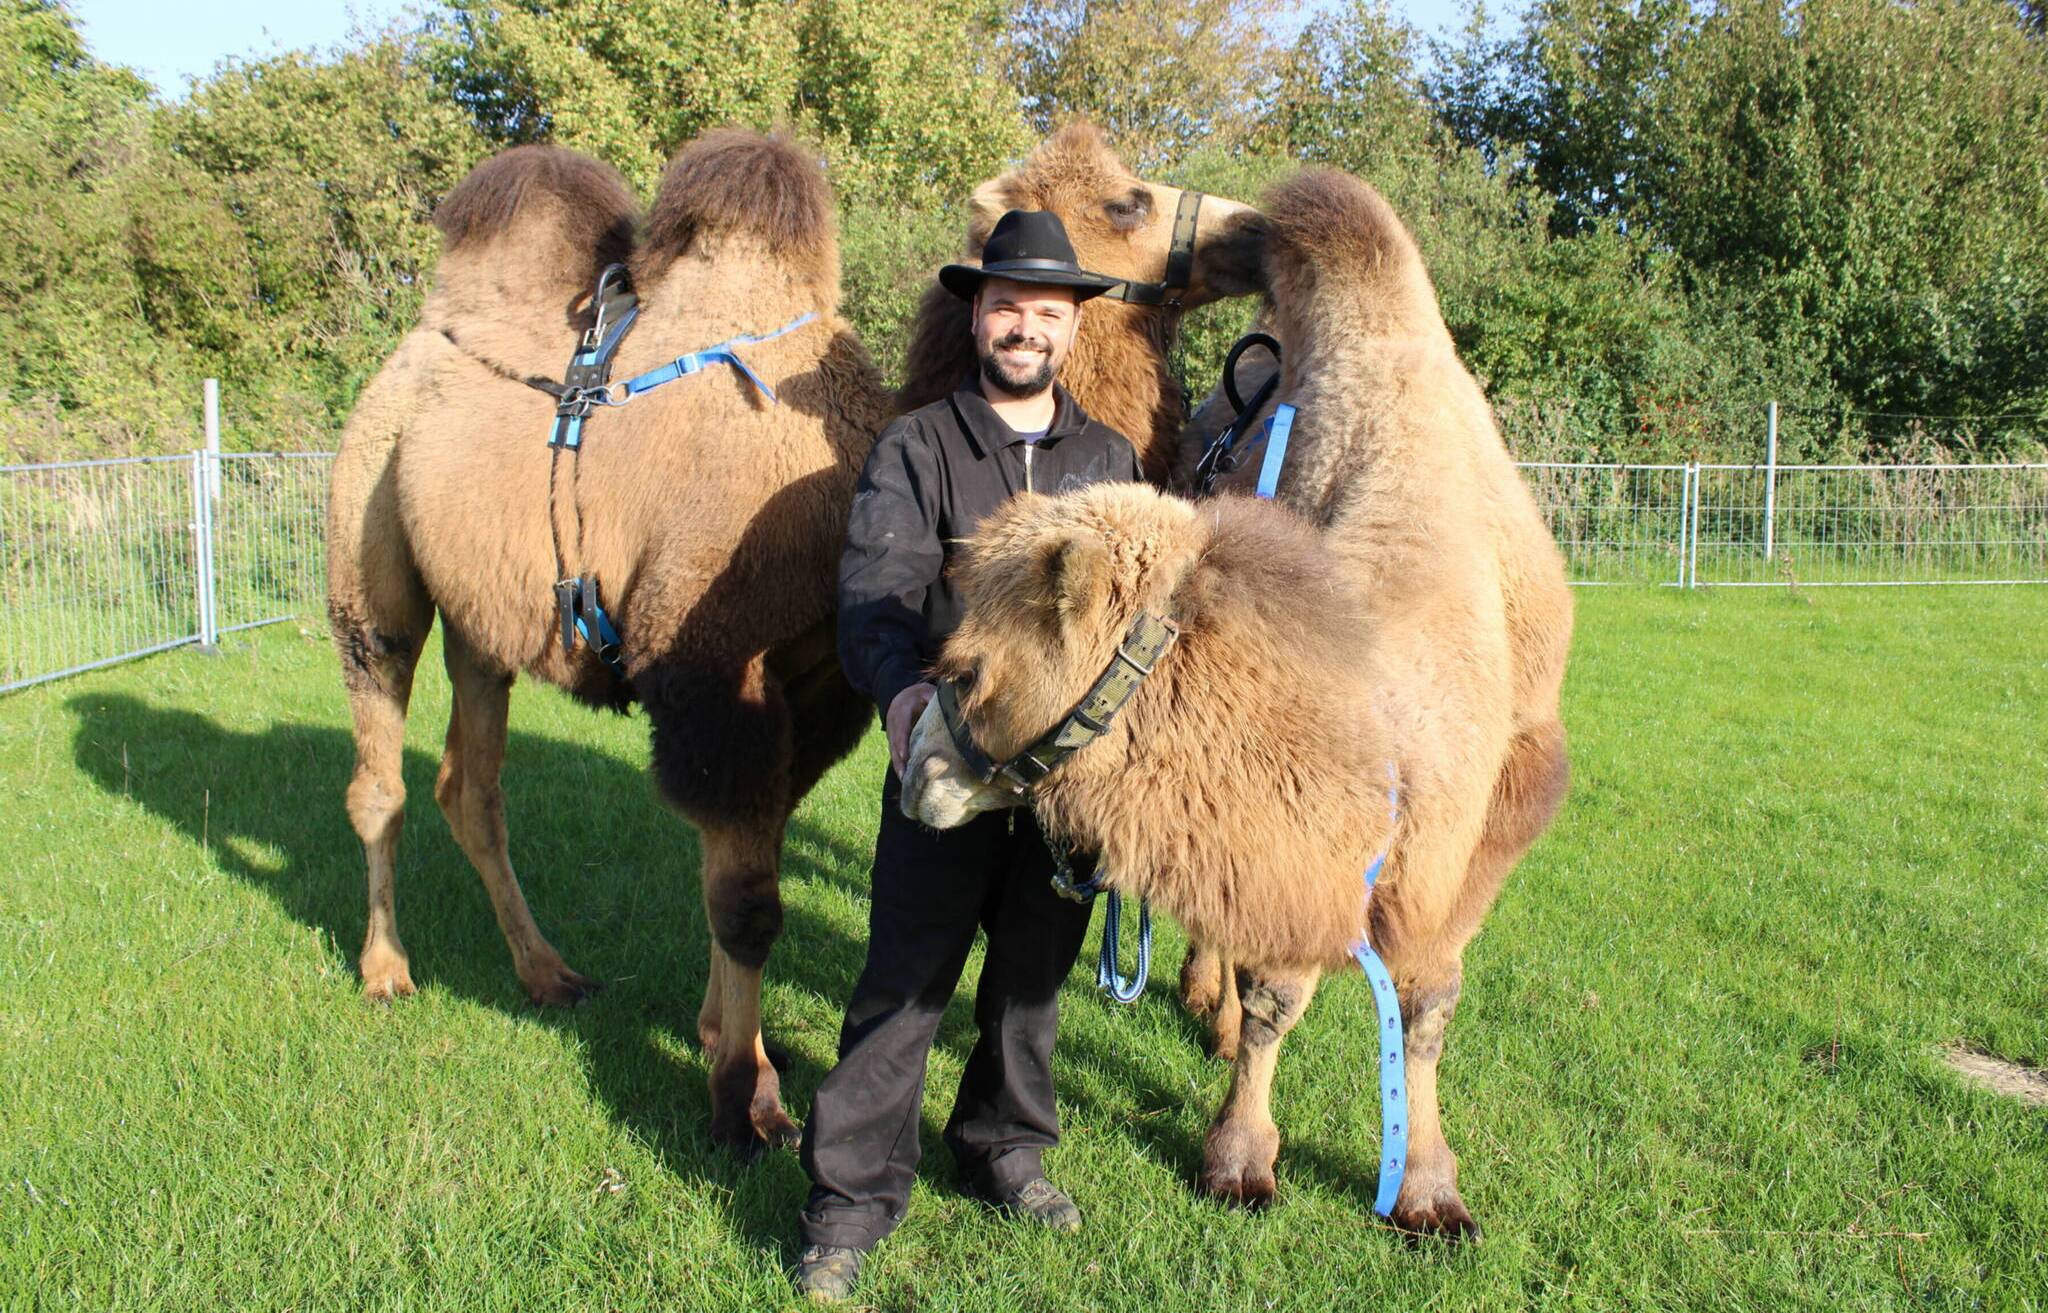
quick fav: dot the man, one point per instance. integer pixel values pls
(932, 477)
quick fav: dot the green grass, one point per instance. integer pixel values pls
(1695, 1065)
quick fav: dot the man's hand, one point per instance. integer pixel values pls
(902, 718)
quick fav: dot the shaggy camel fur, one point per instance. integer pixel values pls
(1465, 619)
(1118, 368)
(713, 518)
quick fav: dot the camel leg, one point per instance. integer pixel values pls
(474, 803)
(378, 690)
(1208, 990)
(744, 906)
(1243, 1143)
(1428, 976)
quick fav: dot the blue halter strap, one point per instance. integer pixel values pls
(725, 353)
(1277, 430)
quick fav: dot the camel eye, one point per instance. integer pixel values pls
(1128, 212)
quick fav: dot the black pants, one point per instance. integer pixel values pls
(931, 891)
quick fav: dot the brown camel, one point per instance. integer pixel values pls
(712, 517)
(1242, 788)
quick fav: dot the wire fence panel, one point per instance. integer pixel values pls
(269, 523)
(1616, 524)
(1872, 525)
(98, 562)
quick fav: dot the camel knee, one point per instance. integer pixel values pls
(1426, 1012)
(376, 803)
(1270, 1005)
(746, 918)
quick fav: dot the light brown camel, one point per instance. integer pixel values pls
(712, 517)
(1242, 786)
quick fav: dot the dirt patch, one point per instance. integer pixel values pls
(1999, 1075)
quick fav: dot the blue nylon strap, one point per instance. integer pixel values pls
(1107, 977)
(1277, 429)
(1393, 1052)
(606, 645)
(725, 353)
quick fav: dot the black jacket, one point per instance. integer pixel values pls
(932, 476)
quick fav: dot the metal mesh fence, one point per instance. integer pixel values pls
(98, 562)
(101, 561)
(1832, 525)
(269, 550)
(1617, 524)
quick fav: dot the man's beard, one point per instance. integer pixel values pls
(1022, 386)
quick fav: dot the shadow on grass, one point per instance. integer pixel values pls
(612, 878)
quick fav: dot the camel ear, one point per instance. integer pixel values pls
(1075, 571)
(986, 205)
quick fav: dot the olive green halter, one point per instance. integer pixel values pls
(1143, 644)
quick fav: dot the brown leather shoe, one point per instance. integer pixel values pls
(1040, 1201)
(827, 1274)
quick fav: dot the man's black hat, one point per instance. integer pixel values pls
(1027, 246)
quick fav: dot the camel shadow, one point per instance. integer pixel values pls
(613, 879)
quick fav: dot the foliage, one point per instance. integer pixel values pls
(1645, 218)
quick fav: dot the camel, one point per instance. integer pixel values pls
(1244, 785)
(712, 516)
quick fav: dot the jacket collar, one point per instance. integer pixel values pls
(988, 432)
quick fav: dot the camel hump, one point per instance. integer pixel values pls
(1325, 228)
(523, 239)
(547, 193)
(731, 182)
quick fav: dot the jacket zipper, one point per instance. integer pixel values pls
(1028, 449)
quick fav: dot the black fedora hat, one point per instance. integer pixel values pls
(1027, 246)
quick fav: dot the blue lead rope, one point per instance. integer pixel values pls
(1393, 1061)
(1393, 1053)
(1107, 978)
(725, 353)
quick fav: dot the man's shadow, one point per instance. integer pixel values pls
(613, 878)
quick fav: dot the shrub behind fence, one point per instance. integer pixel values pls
(101, 561)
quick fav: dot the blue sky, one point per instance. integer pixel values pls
(168, 42)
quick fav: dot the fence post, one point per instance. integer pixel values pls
(1692, 561)
(202, 553)
(1771, 486)
(1684, 514)
(211, 392)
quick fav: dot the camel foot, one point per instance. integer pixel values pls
(386, 976)
(1201, 991)
(1237, 1165)
(746, 1111)
(1439, 1214)
(554, 985)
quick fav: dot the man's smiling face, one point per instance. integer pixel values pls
(1022, 332)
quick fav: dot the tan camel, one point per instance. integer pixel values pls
(712, 517)
(1430, 634)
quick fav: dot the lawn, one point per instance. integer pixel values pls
(1697, 1064)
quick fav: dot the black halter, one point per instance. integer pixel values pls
(1143, 644)
(1180, 261)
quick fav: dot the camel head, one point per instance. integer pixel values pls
(1122, 225)
(1254, 734)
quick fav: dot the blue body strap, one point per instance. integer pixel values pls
(725, 353)
(1393, 1053)
(1277, 429)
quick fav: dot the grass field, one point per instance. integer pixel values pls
(1696, 1066)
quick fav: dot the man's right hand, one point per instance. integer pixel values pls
(902, 718)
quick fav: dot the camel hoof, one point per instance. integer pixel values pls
(559, 987)
(1223, 1048)
(1250, 1188)
(385, 980)
(1443, 1218)
(778, 1130)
